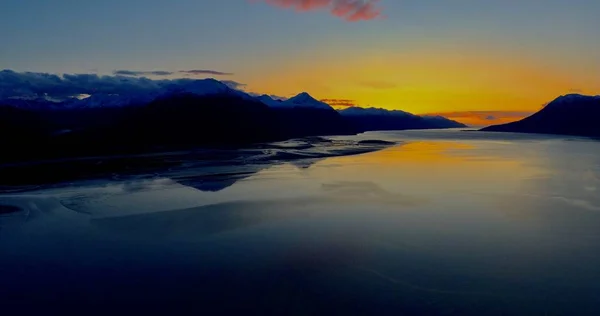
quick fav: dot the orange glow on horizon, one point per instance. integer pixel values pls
(425, 82)
(484, 118)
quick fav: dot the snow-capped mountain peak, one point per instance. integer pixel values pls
(163, 89)
(29, 103)
(108, 100)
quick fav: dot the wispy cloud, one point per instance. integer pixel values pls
(277, 97)
(34, 84)
(234, 84)
(349, 10)
(193, 72)
(134, 73)
(197, 72)
(272, 96)
(339, 103)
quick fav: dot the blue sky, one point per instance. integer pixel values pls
(255, 40)
(67, 35)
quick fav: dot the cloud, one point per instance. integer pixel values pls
(141, 73)
(194, 72)
(272, 96)
(490, 118)
(197, 72)
(339, 102)
(378, 84)
(234, 84)
(349, 10)
(33, 84)
(277, 97)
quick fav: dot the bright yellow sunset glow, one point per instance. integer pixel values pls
(423, 82)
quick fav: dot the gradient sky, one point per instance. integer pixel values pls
(422, 56)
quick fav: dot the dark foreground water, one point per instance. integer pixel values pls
(444, 223)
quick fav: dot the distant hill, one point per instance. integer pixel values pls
(571, 114)
(376, 119)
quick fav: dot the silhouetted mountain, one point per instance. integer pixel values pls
(173, 121)
(189, 119)
(303, 115)
(571, 114)
(19, 128)
(374, 119)
(30, 103)
(127, 97)
(177, 121)
(177, 116)
(268, 100)
(305, 100)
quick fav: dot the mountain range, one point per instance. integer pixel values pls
(572, 114)
(376, 119)
(199, 113)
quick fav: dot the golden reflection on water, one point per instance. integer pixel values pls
(435, 166)
(426, 152)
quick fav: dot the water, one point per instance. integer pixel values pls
(445, 222)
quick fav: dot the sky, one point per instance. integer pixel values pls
(480, 60)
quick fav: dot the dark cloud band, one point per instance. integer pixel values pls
(31, 84)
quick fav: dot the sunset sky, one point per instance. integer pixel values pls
(485, 61)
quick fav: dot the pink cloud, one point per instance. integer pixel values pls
(349, 10)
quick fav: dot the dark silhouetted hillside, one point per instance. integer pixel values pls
(374, 119)
(571, 114)
(174, 122)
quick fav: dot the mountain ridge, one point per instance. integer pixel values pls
(378, 119)
(199, 114)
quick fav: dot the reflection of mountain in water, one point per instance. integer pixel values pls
(218, 182)
(206, 170)
(301, 153)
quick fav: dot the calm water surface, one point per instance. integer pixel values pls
(450, 223)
